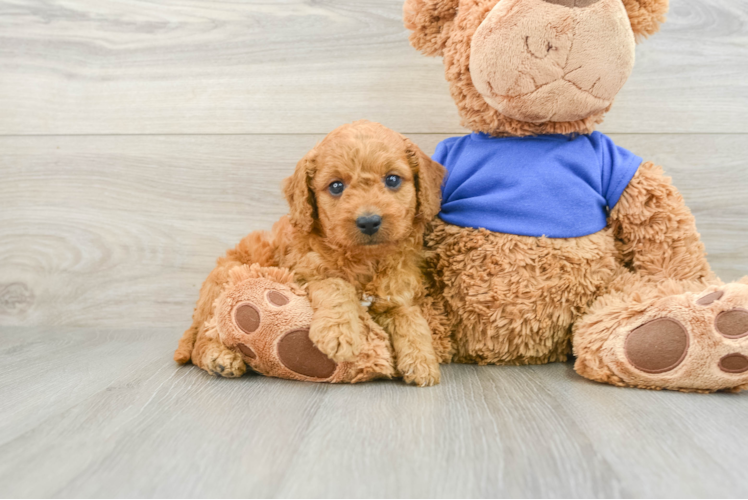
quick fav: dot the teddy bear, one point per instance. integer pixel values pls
(551, 239)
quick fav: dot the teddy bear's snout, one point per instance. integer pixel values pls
(552, 60)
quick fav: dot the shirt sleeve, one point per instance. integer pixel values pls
(619, 166)
(442, 151)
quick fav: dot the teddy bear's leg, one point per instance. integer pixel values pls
(669, 322)
(197, 343)
(679, 335)
(265, 319)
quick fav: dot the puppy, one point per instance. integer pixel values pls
(359, 203)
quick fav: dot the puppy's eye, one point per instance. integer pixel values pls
(336, 188)
(393, 181)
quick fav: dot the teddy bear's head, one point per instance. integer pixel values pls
(525, 67)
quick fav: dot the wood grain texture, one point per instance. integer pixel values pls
(121, 231)
(105, 413)
(290, 66)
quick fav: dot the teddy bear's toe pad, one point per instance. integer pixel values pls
(297, 353)
(247, 317)
(733, 363)
(710, 298)
(657, 346)
(276, 298)
(247, 351)
(732, 324)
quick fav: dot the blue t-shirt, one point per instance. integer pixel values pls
(559, 186)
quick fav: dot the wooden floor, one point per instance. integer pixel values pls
(95, 413)
(140, 139)
(104, 413)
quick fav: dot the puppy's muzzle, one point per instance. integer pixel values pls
(369, 224)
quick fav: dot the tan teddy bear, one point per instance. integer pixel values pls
(547, 241)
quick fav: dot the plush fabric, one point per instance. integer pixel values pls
(635, 299)
(278, 344)
(550, 185)
(558, 62)
(446, 28)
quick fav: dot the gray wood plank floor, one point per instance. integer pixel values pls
(140, 139)
(103, 413)
(291, 66)
(121, 230)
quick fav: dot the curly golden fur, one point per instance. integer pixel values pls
(338, 263)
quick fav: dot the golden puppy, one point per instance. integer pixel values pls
(359, 202)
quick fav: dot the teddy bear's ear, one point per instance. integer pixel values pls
(298, 191)
(430, 22)
(428, 180)
(646, 16)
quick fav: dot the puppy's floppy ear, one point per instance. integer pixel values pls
(646, 15)
(430, 22)
(428, 177)
(298, 191)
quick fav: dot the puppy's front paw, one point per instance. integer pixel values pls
(223, 362)
(340, 341)
(422, 370)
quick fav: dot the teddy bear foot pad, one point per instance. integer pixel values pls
(293, 349)
(267, 321)
(691, 342)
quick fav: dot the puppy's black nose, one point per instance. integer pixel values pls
(369, 224)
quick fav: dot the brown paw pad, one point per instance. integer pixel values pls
(657, 346)
(710, 298)
(732, 324)
(276, 298)
(297, 353)
(247, 317)
(247, 351)
(733, 363)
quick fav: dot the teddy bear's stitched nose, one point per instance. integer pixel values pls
(573, 3)
(369, 224)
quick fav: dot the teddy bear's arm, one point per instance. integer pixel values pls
(655, 231)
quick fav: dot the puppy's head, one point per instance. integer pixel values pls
(364, 185)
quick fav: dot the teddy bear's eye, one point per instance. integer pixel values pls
(336, 188)
(393, 181)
